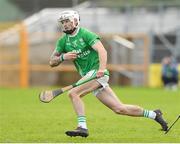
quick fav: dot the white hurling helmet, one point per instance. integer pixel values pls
(70, 15)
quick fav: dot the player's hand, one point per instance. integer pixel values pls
(70, 56)
(100, 73)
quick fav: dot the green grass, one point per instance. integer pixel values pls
(23, 118)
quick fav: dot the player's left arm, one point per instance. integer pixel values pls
(98, 46)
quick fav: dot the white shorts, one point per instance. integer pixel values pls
(102, 80)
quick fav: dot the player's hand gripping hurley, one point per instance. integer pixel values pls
(47, 96)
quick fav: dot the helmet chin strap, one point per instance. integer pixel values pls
(70, 31)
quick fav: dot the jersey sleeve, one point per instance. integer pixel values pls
(60, 44)
(90, 37)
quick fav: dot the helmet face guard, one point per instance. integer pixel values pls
(73, 17)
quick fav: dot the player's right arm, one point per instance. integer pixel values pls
(57, 57)
(59, 54)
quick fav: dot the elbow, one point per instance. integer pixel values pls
(51, 64)
(54, 63)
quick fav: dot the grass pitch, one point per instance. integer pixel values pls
(23, 118)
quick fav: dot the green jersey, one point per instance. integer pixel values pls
(81, 43)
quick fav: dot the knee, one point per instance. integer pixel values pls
(73, 94)
(120, 110)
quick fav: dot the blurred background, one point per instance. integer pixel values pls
(137, 34)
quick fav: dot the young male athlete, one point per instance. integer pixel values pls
(85, 49)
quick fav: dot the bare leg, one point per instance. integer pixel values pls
(108, 98)
(76, 93)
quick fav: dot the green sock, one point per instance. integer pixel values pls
(82, 122)
(149, 114)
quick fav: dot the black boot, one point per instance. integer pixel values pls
(78, 132)
(160, 120)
